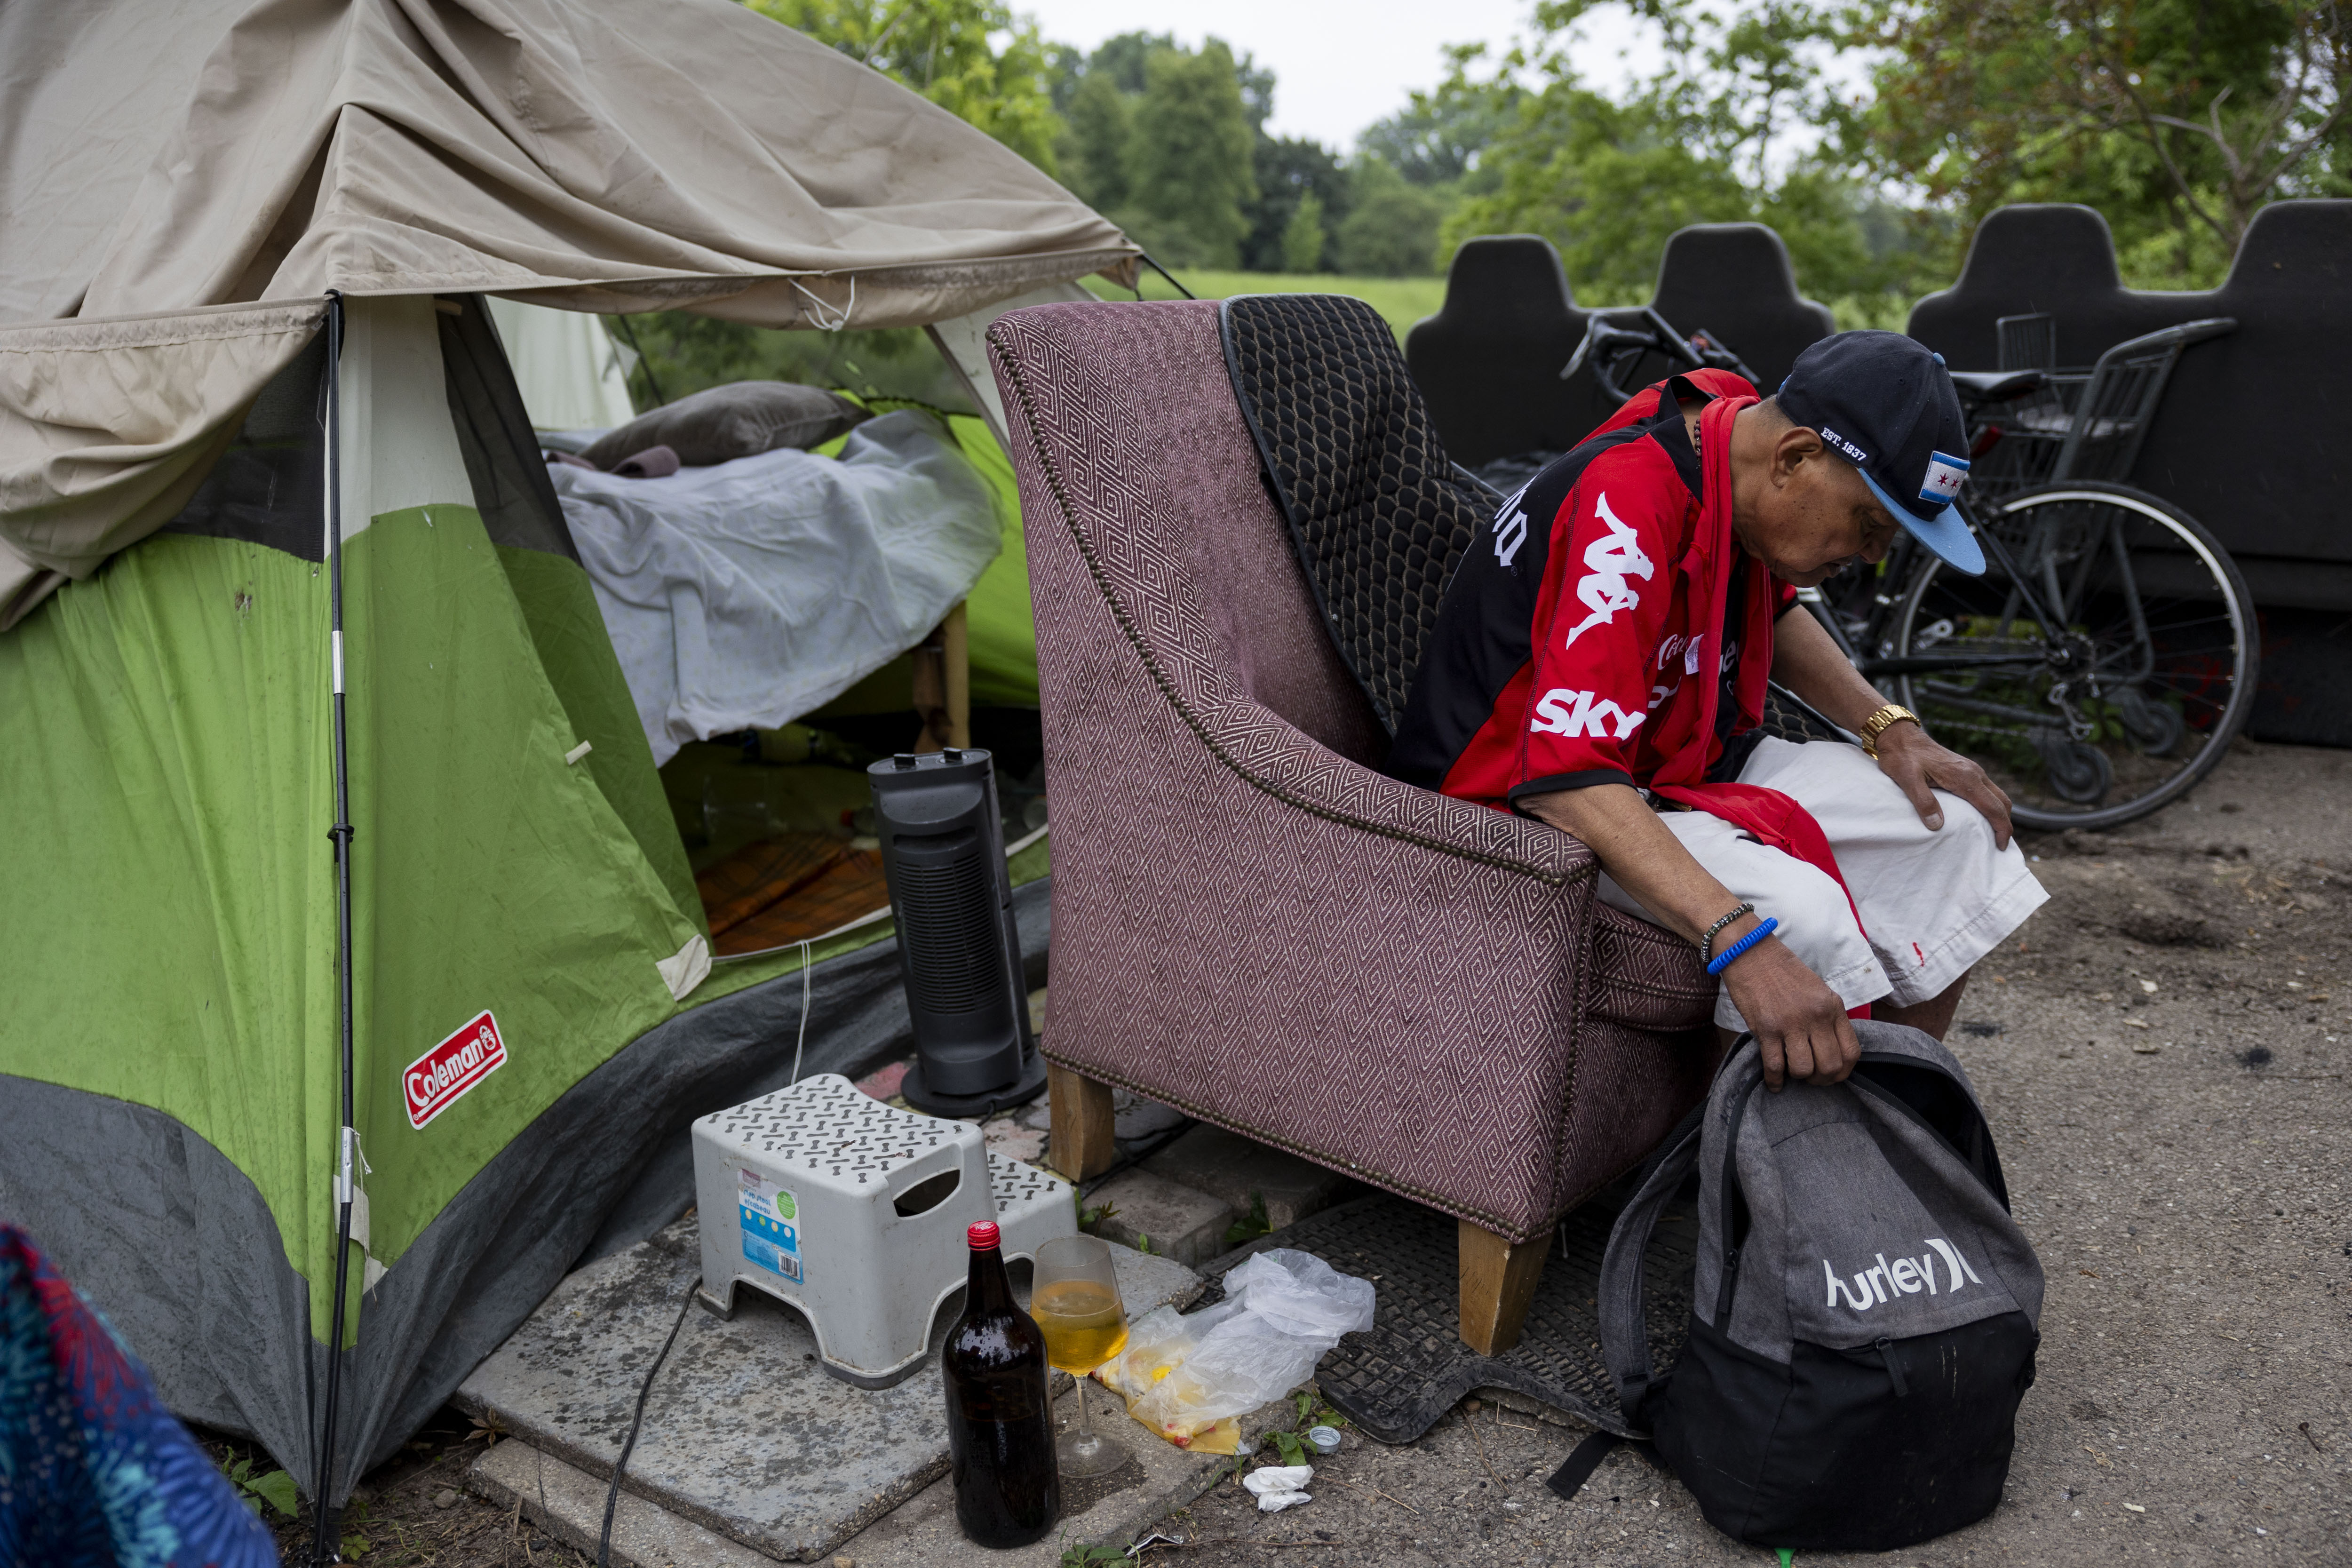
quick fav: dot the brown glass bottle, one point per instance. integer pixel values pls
(999, 1415)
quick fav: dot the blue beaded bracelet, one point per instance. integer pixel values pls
(1723, 960)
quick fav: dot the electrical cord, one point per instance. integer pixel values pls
(1139, 1151)
(645, 1391)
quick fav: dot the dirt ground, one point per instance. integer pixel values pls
(413, 1511)
(2163, 1050)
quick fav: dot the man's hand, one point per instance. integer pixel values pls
(1797, 1019)
(1799, 1023)
(1918, 766)
(1808, 663)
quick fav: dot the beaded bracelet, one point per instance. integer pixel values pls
(1706, 943)
(1718, 965)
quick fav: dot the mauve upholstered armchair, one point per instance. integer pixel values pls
(1249, 923)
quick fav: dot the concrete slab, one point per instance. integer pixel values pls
(1182, 1224)
(567, 1503)
(1015, 1140)
(744, 1435)
(1164, 1478)
(1232, 1168)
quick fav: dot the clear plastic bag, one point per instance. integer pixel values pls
(1300, 1294)
(1284, 1309)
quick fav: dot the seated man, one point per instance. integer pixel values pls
(1600, 662)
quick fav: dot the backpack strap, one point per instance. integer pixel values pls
(1961, 1128)
(1624, 1336)
(1624, 1343)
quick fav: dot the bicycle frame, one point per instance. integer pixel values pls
(1872, 665)
(2033, 596)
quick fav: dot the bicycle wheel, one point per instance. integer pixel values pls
(2131, 694)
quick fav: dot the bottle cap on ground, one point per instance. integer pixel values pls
(982, 1236)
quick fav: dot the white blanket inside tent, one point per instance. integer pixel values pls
(750, 592)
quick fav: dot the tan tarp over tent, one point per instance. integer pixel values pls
(159, 160)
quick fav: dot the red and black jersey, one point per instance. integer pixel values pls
(1570, 636)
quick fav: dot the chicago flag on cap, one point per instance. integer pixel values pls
(1945, 475)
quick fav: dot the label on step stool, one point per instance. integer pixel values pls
(770, 1217)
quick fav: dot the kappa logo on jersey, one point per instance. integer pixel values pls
(1876, 1285)
(1574, 713)
(1609, 561)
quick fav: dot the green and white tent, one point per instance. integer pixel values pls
(188, 193)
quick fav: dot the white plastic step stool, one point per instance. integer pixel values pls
(854, 1212)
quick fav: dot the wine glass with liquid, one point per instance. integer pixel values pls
(1074, 1299)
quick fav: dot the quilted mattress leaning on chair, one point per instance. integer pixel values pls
(1249, 923)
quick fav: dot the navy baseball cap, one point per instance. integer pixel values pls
(1884, 403)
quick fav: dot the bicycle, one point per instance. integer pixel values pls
(1615, 350)
(2105, 658)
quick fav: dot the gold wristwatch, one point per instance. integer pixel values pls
(1878, 724)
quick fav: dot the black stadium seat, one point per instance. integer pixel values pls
(2249, 439)
(1488, 363)
(1733, 280)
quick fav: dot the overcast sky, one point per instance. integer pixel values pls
(1339, 65)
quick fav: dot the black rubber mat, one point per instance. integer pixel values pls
(1395, 1380)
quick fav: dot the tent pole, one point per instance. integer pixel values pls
(326, 1543)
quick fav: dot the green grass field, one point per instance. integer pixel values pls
(1401, 301)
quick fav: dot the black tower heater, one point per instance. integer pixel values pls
(943, 850)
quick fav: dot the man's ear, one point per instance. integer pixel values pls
(1795, 446)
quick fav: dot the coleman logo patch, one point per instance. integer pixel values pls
(442, 1075)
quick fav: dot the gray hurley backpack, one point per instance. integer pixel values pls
(1863, 1323)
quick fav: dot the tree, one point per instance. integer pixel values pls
(1302, 237)
(1393, 228)
(1094, 147)
(1605, 183)
(1740, 126)
(2178, 118)
(1189, 157)
(1438, 138)
(1126, 56)
(1288, 171)
(969, 57)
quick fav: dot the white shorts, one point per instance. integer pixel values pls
(1933, 902)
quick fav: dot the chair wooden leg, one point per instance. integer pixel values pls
(1499, 1281)
(1082, 1127)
